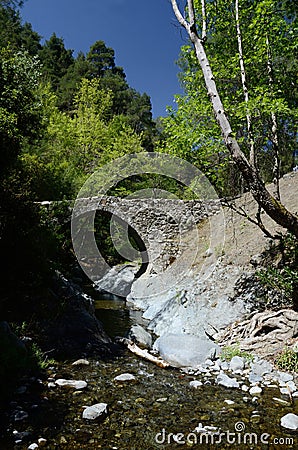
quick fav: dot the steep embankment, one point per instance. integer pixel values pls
(220, 287)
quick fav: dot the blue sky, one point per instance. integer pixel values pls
(143, 33)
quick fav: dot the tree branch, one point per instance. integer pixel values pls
(271, 205)
(178, 15)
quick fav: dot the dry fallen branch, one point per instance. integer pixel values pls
(144, 353)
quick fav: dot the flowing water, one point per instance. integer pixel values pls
(158, 410)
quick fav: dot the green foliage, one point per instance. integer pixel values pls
(229, 352)
(283, 277)
(19, 105)
(287, 360)
(268, 32)
(39, 358)
(55, 60)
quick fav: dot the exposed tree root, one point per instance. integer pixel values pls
(264, 333)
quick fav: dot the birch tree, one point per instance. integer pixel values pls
(272, 206)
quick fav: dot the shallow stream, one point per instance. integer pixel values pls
(152, 412)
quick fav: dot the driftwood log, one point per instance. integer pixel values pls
(264, 333)
(143, 353)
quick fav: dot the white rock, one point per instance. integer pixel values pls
(125, 377)
(284, 377)
(99, 410)
(244, 388)
(51, 385)
(284, 391)
(255, 390)
(289, 421)
(185, 350)
(229, 402)
(224, 380)
(209, 363)
(195, 384)
(258, 370)
(81, 362)
(290, 385)
(76, 384)
(140, 335)
(33, 446)
(224, 365)
(237, 363)
(42, 442)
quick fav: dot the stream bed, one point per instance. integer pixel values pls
(157, 410)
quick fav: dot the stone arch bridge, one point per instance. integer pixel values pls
(157, 225)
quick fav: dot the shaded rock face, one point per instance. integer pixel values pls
(76, 331)
(118, 280)
(13, 357)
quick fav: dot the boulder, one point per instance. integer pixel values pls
(117, 280)
(185, 350)
(76, 331)
(139, 335)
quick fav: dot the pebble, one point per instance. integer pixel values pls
(81, 362)
(255, 390)
(195, 384)
(229, 402)
(33, 446)
(21, 435)
(289, 421)
(255, 418)
(224, 380)
(285, 391)
(42, 442)
(237, 363)
(51, 385)
(284, 377)
(244, 388)
(97, 411)
(76, 384)
(125, 377)
(290, 385)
